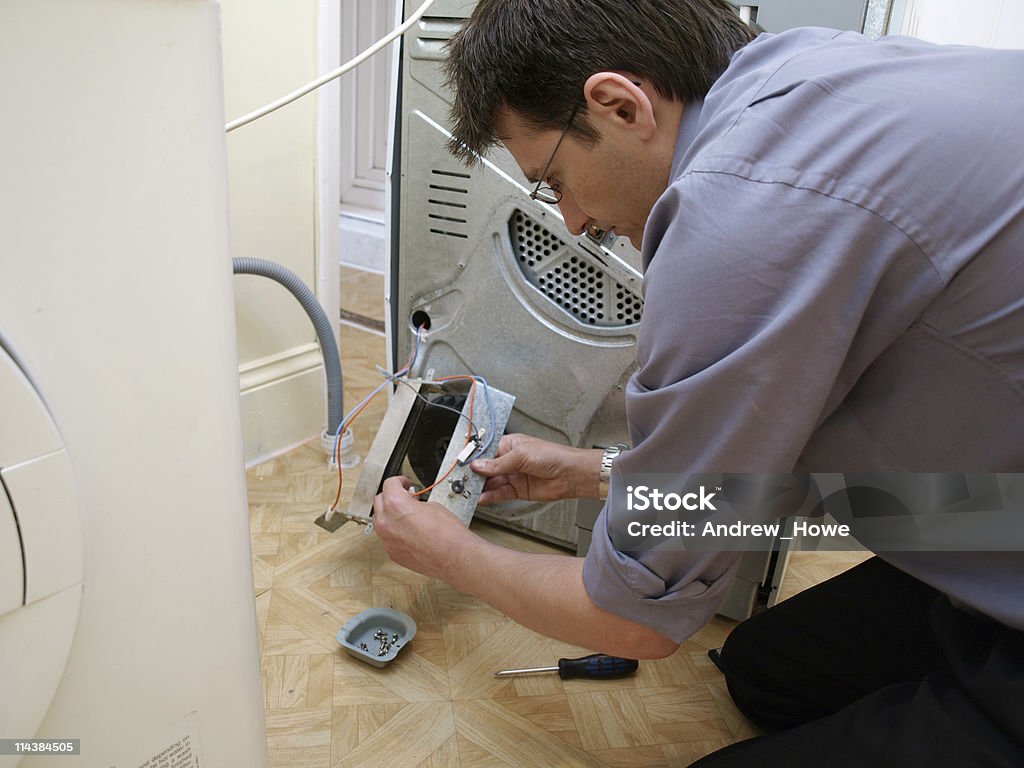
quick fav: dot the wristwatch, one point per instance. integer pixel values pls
(605, 478)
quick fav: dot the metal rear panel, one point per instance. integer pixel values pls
(509, 293)
(780, 15)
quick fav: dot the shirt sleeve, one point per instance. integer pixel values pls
(764, 303)
(674, 592)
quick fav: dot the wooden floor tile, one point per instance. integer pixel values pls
(445, 756)
(320, 683)
(472, 755)
(611, 720)
(409, 738)
(684, 713)
(550, 712)
(632, 757)
(513, 739)
(362, 293)
(299, 737)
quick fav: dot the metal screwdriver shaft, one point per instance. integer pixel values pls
(530, 671)
(597, 666)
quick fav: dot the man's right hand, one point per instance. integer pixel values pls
(532, 469)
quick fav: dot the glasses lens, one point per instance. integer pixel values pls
(546, 195)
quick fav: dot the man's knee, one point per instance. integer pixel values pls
(743, 646)
(745, 660)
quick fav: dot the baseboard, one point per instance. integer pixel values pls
(361, 242)
(283, 402)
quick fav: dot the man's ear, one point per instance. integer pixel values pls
(614, 99)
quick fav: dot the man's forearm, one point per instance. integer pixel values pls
(546, 594)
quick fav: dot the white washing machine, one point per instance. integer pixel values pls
(127, 618)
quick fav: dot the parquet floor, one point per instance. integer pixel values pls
(439, 705)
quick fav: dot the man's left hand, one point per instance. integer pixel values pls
(421, 536)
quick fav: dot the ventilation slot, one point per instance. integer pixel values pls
(448, 192)
(570, 278)
(431, 35)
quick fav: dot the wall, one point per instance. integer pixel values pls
(991, 23)
(278, 192)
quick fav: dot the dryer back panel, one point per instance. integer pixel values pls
(509, 293)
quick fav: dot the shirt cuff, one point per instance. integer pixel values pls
(673, 592)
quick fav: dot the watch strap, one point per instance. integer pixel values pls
(607, 459)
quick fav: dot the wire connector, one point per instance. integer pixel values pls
(331, 520)
(343, 447)
(471, 447)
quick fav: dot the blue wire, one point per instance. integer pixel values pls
(393, 376)
(390, 378)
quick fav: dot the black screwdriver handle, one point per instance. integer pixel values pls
(597, 666)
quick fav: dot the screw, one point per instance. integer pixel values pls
(458, 486)
(363, 646)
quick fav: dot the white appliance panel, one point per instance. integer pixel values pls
(116, 304)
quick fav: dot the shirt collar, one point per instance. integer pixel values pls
(687, 133)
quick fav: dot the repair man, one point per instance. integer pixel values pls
(832, 232)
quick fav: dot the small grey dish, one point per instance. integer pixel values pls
(377, 635)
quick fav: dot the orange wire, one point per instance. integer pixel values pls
(337, 453)
(345, 425)
(352, 418)
(437, 482)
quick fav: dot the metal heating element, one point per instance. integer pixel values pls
(476, 434)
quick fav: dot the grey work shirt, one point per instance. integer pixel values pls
(834, 282)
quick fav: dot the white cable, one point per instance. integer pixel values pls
(324, 79)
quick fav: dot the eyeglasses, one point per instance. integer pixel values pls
(543, 192)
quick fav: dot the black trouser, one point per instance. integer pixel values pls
(874, 668)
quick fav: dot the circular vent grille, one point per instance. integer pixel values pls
(570, 278)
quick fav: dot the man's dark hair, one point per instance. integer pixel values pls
(534, 56)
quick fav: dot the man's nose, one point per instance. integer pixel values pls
(576, 221)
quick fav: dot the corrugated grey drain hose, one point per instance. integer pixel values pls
(322, 324)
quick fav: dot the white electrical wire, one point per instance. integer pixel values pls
(324, 79)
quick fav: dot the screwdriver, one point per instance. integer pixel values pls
(597, 666)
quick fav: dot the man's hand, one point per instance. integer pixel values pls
(542, 592)
(537, 470)
(421, 536)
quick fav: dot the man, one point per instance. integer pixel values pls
(832, 231)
